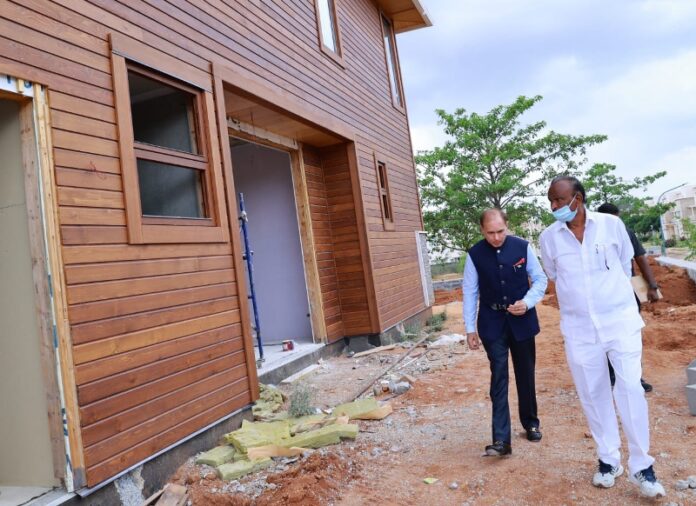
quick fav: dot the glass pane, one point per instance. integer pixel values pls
(168, 190)
(162, 115)
(328, 24)
(391, 61)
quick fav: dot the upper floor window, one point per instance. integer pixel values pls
(327, 24)
(392, 62)
(384, 194)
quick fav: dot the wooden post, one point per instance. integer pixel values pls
(316, 305)
(41, 290)
(60, 307)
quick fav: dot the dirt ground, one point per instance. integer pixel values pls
(440, 427)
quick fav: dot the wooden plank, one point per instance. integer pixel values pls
(111, 253)
(130, 305)
(235, 239)
(82, 197)
(91, 216)
(107, 290)
(88, 179)
(308, 249)
(109, 271)
(52, 233)
(82, 234)
(40, 277)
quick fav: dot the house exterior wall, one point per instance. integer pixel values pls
(159, 349)
(684, 201)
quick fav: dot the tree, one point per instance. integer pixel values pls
(602, 185)
(491, 160)
(690, 237)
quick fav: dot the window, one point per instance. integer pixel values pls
(164, 131)
(384, 196)
(172, 178)
(327, 25)
(392, 63)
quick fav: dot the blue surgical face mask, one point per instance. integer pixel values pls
(565, 213)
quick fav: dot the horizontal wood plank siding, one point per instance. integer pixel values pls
(156, 328)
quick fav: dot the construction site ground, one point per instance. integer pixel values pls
(439, 428)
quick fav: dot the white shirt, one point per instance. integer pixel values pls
(592, 278)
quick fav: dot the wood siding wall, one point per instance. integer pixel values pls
(156, 328)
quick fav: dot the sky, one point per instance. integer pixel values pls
(623, 68)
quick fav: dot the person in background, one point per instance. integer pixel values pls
(497, 275)
(589, 255)
(640, 258)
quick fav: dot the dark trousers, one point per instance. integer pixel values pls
(523, 361)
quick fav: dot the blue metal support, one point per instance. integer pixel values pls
(248, 257)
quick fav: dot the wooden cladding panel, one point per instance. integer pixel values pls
(133, 308)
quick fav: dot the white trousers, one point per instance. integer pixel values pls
(588, 365)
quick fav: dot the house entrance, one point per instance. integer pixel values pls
(264, 176)
(27, 467)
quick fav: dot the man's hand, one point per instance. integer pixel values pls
(652, 295)
(518, 308)
(473, 340)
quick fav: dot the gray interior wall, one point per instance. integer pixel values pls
(25, 446)
(265, 178)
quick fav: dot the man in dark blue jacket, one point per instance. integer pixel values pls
(497, 275)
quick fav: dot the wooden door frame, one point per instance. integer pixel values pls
(304, 222)
(48, 283)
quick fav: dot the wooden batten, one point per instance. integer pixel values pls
(235, 238)
(60, 308)
(316, 305)
(32, 185)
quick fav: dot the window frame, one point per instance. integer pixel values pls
(396, 75)
(336, 56)
(384, 192)
(148, 229)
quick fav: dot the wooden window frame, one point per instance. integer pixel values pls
(336, 56)
(163, 229)
(383, 192)
(397, 66)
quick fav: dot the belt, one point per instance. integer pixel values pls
(498, 307)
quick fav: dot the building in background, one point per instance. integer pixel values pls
(684, 200)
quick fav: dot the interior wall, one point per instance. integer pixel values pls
(25, 446)
(263, 175)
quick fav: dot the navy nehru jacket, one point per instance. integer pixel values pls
(503, 280)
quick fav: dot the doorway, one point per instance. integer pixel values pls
(27, 467)
(264, 176)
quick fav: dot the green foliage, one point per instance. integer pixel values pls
(302, 400)
(461, 263)
(491, 160)
(690, 237)
(602, 185)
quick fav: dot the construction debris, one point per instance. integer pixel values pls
(173, 495)
(234, 470)
(270, 401)
(217, 456)
(261, 452)
(375, 350)
(447, 340)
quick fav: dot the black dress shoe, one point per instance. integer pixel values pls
(534, 434)
(498, 449)
(646, 386)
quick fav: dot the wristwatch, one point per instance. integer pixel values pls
(654, 286)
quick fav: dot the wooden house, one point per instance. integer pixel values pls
(127, 131)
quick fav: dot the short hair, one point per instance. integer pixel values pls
(577, 185)
(608, 208)
(492, 210)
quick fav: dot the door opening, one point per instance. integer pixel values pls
(263, 175)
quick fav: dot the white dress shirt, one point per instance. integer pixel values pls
(592, 278)
(470, 287)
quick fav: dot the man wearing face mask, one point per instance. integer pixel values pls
(497, 274)
(589, 255)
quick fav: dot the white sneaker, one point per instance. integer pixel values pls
(606, 474)
(649, 486)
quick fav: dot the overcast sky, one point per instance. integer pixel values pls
(624, 68)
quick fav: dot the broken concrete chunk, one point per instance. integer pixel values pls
(235, 470)
(331, 434)
(270, 401)
(274, 451)
(378, 414)
(217, 456)
(356, 408)
(305, 423)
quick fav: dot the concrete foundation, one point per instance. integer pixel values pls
(691, 398)
(691, 373)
